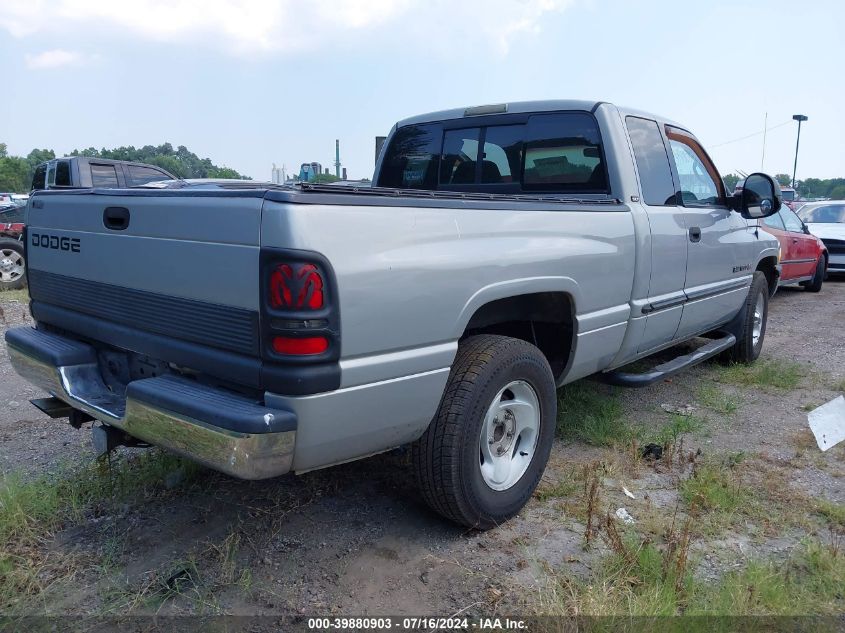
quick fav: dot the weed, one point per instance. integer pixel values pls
(591, 412)
(591, 498)
(716, 489)
(680, 425)
(810, 406)
(779, 374)
(716, 398)
(839, 386)
(564, 487)
(834, 513)
(21, 295)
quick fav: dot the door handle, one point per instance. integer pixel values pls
(116, 218)
(794, 240)
(695, 234)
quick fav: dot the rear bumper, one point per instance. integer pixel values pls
(221, 430)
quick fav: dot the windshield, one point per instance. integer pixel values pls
(827, 214)
(788, 194)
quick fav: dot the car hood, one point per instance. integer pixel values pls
(829, 230)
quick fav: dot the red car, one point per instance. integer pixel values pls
(803, 257)
(12, 265)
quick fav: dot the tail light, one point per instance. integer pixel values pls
(299, 309)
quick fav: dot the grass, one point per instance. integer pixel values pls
(21, 295)
(834, 513)
(715, 398)
(644, 578)
(775, 373)
(33, 510)
(680, 425)
(591, 412)
(716, 492)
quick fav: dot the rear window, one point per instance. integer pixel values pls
(549, 152)
(63, 173)
(141, 175)
(103, 176)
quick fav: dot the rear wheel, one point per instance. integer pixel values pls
(815, 284)
(750, 339)
(12, 265)
(482, 456)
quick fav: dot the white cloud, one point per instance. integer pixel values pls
(55, 58)
(271, 26)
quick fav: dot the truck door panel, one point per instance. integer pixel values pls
(715, 275)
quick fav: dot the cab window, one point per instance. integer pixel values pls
(700, 183)
(774, 222)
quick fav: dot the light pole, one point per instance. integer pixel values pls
(799, 118)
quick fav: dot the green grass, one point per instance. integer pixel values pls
(716, 398)
(641, 583)
(680, 425)
(778, 374)
(562, 489)
(716, 490)
(21, 295)
(834, 513)
(591, 412)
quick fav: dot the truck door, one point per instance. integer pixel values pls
(716, 278)
(667, 246)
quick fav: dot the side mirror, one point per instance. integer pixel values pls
(760, 197)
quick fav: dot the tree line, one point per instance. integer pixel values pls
(833, 188)
(16, 171)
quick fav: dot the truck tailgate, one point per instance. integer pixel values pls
(171, 263)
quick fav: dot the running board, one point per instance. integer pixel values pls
(670, 367)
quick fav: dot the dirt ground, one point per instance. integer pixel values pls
(355, 539)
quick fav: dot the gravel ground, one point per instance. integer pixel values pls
(355, 539)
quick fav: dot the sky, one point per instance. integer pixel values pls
(249, 83)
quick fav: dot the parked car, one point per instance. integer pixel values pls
(12, 263)
(827, 221)
(790, 197)
(82, 171)
(505, 250)
(804, 258)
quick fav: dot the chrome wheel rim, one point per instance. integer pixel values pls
(759, 311)
(509, 435)
(11, 265)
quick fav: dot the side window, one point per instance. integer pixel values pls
(63, 173)
(139, 175)
(699, 181)
(501, 158)
(412, 157)
(459, 157)
(830, 214)
(39, 178)
(13, 215)
(791, 221)
(652, 162)
(563, 153)
(774, 221)
(103, 176)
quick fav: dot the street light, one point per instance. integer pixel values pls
(799, 118)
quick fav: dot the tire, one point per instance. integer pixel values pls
(454, 476)
(12, 265)
(815, 284)
(747, 349)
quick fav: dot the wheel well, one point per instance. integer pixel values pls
(544, 319)
(768, 266)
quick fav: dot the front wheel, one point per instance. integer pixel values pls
(12, 265)
(750, 339)
(482, 456)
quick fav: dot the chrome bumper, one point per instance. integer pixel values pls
(246, 454)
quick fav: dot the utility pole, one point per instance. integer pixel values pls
(765, 129)
(799, 118)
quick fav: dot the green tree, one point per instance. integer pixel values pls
(320, 179)
(784, 180)
(838, 192)
(730, 182)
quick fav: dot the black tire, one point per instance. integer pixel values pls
(746, 351)
(447, 457)
(815, 284)
(11, 246)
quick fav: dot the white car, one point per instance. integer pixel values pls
(827, 221)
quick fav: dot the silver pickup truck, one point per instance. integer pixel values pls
(503, 251)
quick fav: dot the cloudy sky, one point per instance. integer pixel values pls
(252, 82)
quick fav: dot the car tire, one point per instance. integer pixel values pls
(12, 265)
(815, 284)
(484, 452)
(750, 339)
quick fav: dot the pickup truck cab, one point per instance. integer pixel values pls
(83, 171)
(503, 251)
